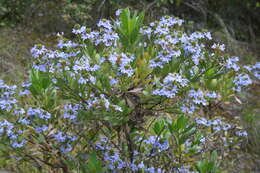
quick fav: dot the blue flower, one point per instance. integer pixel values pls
(37, 51)
(66, 148)
(24, 121)
(16, 144)
(212, 95)
(118, 12)
(241, 80)
(79, 31)
(241, 133)
(105, 24)
(24, 92)
(113, 81)
(41, 129)
(39, 113)
(133, 167)
(60, 137)
(141, 165)
(19, 111)
(125, 66)
(68, 44)
(231, 63)
(218, 46)
(71, 111)
(150, 170)
(174, 77)
(257, 74)
(197, 97)
(202, 121)
(188, 109)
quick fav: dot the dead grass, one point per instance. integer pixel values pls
(15, 57)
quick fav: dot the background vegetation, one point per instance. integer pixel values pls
(233, 22)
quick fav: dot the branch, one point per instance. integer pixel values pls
(150, 5)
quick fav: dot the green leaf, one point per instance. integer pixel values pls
(157, 128)
(181, 122)
(40, 82)
(94, 165)
(210, 73)
(129, 28)
(214, 156)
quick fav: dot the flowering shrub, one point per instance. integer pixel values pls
(124, 98)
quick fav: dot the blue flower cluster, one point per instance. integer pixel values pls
(7, 97)
(25, 89)
(198, 97)
(71, 111)
(231, 63)
(242, 80)
(102, 87)
(255, 69)
(12, 134)
(37, 112)
(64, 140)
(171, 84)
(216, 124)
(115, 159)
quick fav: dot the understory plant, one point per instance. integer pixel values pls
(126, 97)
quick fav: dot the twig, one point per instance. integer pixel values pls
(150, 5)
(223, 25)
(100, 6)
